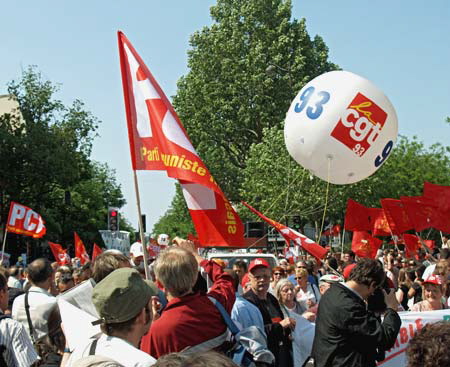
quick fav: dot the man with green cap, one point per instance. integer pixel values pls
(124, 302)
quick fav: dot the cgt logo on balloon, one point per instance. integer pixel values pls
(360, 124)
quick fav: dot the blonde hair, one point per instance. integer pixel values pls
(177, 270)
(301, 272)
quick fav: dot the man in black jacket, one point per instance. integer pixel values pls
(277, 328)
(347, 334)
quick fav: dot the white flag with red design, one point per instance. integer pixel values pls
(24, 220)
(80, 250)
(158, 141)
(291, 235)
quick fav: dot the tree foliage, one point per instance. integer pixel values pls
(45, 161)
(275, 184)
(244, 71)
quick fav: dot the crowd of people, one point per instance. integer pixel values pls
(342, 311)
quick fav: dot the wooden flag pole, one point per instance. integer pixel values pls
(4, 244)
(141, 228)
(427, 250)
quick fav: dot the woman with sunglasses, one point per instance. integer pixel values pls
(278, 273)
(307, 294)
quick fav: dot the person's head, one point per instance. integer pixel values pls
(40, 273)
(301, 276)
(176, 270)
(285, 291)
(301, 265)
(86, 272)
(429, 346)
(137, 253)
(433, 290)
(283, 263)
(240, 268)
(76, 276)
(441, 268)
(444, 254)
(65, 282)
(419, 270)
(325, 282)
(13, 271)
(107, 262)
(260, 274)
(123, 302)
(349, 256)
(368, 274)
(332, 263)
(4, 297)
(278, 273)
(246, 283)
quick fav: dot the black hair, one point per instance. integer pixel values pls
(368, 271)
(242, 264)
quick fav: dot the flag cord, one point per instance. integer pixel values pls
(141, 228)
(326, 200)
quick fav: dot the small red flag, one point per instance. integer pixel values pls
(412, 244)
(364, 245)
(96, 251)
(379, 222)
(59, 253)
(357, 217)
(396, 216)
(80, 250)
(291, 235)
(23, 220)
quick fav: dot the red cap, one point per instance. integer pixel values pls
(258, 262)
(433, 279)
(245, 280)
(347, 270)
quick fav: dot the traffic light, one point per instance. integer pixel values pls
(296, 222)
(113, 219)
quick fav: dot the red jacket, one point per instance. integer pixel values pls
(192, 319)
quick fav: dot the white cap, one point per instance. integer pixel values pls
(136, 249)
(163, 239)
(330, 278)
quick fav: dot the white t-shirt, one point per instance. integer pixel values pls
(116, 349)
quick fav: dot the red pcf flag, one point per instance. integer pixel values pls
(158, 141)
(23, 220)
(364, 245)
(96, 251)
(396, 216)
(59, 253)
(357, 217)
(379, 222)
(80, 250)
(290, 235)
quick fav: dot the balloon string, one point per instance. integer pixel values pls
(326, 200)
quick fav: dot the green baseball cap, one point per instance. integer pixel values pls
(121, 296)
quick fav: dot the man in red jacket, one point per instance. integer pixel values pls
(190, 319)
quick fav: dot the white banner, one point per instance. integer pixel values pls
(411, 323)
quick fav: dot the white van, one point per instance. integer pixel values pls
(230, 257)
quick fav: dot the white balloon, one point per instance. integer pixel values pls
(340, 127)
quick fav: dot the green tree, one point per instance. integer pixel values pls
(276, 185)
(45, 162)
(245, 69)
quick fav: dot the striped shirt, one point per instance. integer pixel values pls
(17, 346)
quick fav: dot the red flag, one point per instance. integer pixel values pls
(357, 217)
(430, 244)
(290, 235)
(412, 244)
(424, 214)
(96, 251)
(23, 220)
(439, 195)
(80, 250)
(151, 116)
(332, 231)
(379, 222)
(59, 253)
(396, 216)
(364, 245)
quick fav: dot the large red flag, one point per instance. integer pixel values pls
(412, 244)
(379, 222)
(396, 215)
(59, 253)
(424, 214)
(364, 245)
(158, 141)
(96, 251)
(23, 220)
(80, 250)
(291, 235)
(439, 194)
(357, 217)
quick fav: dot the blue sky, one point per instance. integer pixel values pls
(401, 46)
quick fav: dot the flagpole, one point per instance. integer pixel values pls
(141, 228)
(4, 244)
(442, 238)
(427, 250)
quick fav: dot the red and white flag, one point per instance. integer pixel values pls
(96, 251)
(80, 250)
(23, 220)
(59, 253)
(291, 235)
(158, 141)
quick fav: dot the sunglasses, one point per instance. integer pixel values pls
(298, 278)
(301, 267)
(277, 274)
